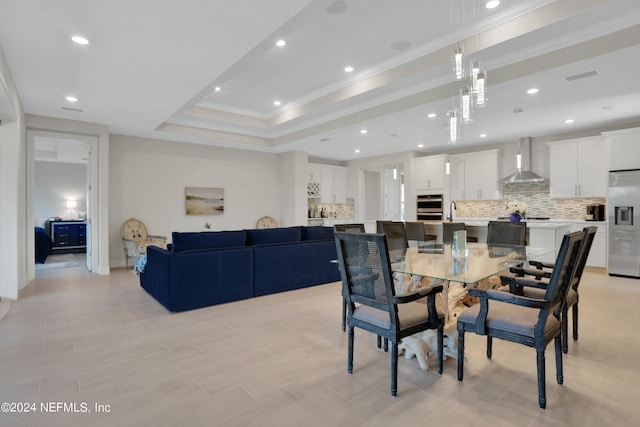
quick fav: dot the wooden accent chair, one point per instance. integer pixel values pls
(373, 304)
(530, 321)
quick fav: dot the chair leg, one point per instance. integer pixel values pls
(344, 314)
(489, 347)
(386, 345)
(559, 373)
(440, 347)
(575, 321)
(394, 368)
(460, 354)
(379, 343)
(564, 323)
(350, 350)
(542, 390)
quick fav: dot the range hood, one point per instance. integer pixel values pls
(523, 175)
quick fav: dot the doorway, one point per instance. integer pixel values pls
(63, 202)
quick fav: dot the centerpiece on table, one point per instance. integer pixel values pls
(517, 210)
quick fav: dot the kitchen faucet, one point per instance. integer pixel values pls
(452, 207)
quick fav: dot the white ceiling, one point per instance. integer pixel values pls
(152, 66)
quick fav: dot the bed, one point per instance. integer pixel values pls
(43, 243)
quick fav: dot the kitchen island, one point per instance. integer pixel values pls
(540, 233)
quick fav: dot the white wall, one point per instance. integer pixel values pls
(54, 184)
(148, 178)
(13, 222)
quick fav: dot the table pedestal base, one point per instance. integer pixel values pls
(455, 299)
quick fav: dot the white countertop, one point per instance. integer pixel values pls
(540, 223)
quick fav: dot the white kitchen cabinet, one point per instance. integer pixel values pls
(547, 237)
(578, 168)
(456, 176)
(481, 175)
(315, 171)
(428, 173)
(333, 184)
(598, 253)
(624, 149)
(474, 176)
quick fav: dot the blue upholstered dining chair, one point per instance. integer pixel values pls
(372, 301)
(533, 322)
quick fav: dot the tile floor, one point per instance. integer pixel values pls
(280, 360)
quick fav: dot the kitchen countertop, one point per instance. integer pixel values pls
(546, 223)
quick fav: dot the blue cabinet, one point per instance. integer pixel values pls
(68, 236)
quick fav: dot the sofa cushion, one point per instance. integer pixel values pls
(207, 240)
(268, 236)
(317, 233)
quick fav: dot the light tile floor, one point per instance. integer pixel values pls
(280, 360)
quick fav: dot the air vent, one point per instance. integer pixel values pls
(75, 110)
(582, 75)
(609, 108)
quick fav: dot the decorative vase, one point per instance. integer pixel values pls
(515, 218)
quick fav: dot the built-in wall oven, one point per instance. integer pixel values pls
(429, 207)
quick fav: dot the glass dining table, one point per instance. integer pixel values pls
(476, 265)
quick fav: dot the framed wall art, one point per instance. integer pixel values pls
(204, 201)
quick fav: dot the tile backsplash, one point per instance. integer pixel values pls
(333, 210)
(538, 200)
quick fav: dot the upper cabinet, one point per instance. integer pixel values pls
(330, 182)
(474, 176)
(624, 146)
(578, 168)
(428, 173)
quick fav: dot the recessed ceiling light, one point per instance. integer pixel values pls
(281, 43)
(217, 89)
(79, 39)
(71, 98)
(276, 103)
(431, 115)
(363, 131)
(348, 69)
(569, 121)
(533, 90)
(483, 135)
(420, 145)
(491, 4)
(357, 150)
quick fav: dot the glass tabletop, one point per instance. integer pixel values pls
(477, 262)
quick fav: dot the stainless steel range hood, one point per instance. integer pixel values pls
(523, 175)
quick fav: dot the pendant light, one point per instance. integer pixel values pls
(457, 60)
(465, 105)
(481, 93)
(454, 136)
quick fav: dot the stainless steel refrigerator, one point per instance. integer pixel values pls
(623, 204)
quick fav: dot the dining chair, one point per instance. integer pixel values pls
(507, 233)
(533, 322)
(448, 228)
(396, 239)
(543, 271)
(416, 232)
(373, 305)
(347, 228)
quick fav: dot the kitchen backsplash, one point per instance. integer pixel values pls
(333, 210)
(538, 200)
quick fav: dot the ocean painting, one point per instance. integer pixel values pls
(204, 201)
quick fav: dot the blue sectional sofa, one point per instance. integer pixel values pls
(207, 268)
